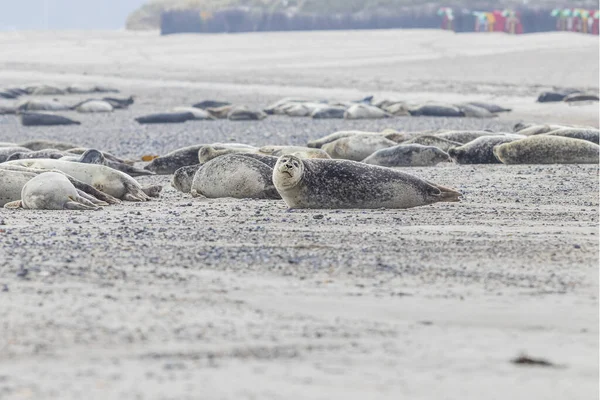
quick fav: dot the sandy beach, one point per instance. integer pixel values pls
(187, 298)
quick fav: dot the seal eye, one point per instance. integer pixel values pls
(295, 164)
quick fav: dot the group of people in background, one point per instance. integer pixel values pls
(511, 21)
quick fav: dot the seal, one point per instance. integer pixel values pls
(94, 106)
(349, 184)
(165, 118)
(245, 114)
(183, 178)
(208, 152)
(481, 150)
(431, 140)
(13, 178)
(46, 90)
(591, 135)
(198, 113)
(7, 152)
(40, 144)
(365, 111)
(436, 110)
(407, 155)
(119, 103)
(46, 153)
(43, 119)
(465, 136)
(110, 181)
(574, 97)
(544, 149)
(556, 95)
(493, 108)
(399, 109)
(328, 112)
(93, 156)
(51, 191)
(298, 151)
(42, 105)
(234, 175)
(388, 134)
(210, 104)
(472, 111)
(538, 129)
(357, 147)
(171, 162)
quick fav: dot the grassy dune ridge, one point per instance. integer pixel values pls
(148, 16)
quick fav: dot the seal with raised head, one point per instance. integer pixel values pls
(184, 176)
(105, 179)
(481, 150)
(357, 147)
(349, 184)
(234, 175)
(407, 155)
(51, 191)
(544, 149)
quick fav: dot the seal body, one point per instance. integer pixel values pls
(407, 155)
(234, 175)
(166, 118)
(94, 106)
(11, 184)
(42, 105)
(481, 150)
(544, 149)
(388, 134)
(42, 119)
(52, 191)
(436, 110)
(244, 114)
(348, 184)
(357, 147)
(464, 136)
(365, 111)
(328, 112)
(198, 113)
(431, 140)
(7, 152)
(183, 178)
(171, 162)
(36, 145)
(299, 151)
(591, 135)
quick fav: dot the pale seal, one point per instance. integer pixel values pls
(465, 136)
(481, 150)
(299, 151)
(198, 113)
(245, 114)
(51, 191)
(7, 152)
(544, 149)
(41, 144)
(234, 175)
(105, 179)
(42, 119)
(388, 134)
(329, 112)
(407, 155)
(348, 184)
(436, 110)
(94, 106)
(365, 111)
(42, 105)
(357, 147)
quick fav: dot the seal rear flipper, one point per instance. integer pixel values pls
(448, 194)
(134, 193)
(14, 204)
(74, 205)
(91, 198)
(84, 187)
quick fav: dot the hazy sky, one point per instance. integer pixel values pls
(65, 14)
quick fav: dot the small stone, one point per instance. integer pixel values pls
(318, 216)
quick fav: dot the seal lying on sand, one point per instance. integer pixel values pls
(407, 155)
(105, 179)
(184, 177)
(591, 135)
(299, 151)
(51, 191)
(42, 119)
(234, 175)
(14, 177)
(36, 145)
(388, 134)
(436, 110)
(93, 156)
(431, 140)
(94, 106)
(357, 147)
(481, 150)
(544, 149)
(7, 152)
(245, 114)
(171, 162)
(166, 118)
(349, 184)
(365, 111)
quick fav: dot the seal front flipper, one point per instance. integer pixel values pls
(14, 204)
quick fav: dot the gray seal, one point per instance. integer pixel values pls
(357, 147)
(41, 144)
(481, 150)
(42, 119)
(436, 110)
(465, 136)
(328, 113)
(234, 175)
(7, 152)
(51, 191)
(407, 155)
(591, 135)
(544, 149)
(171, 162)
(318, 183)
(165, 118)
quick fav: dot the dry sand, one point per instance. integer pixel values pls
(184, 298)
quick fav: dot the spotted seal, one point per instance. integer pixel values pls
(544, 149)
(407, 155)
(357, 147)
(481, 150)
(318, 183)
